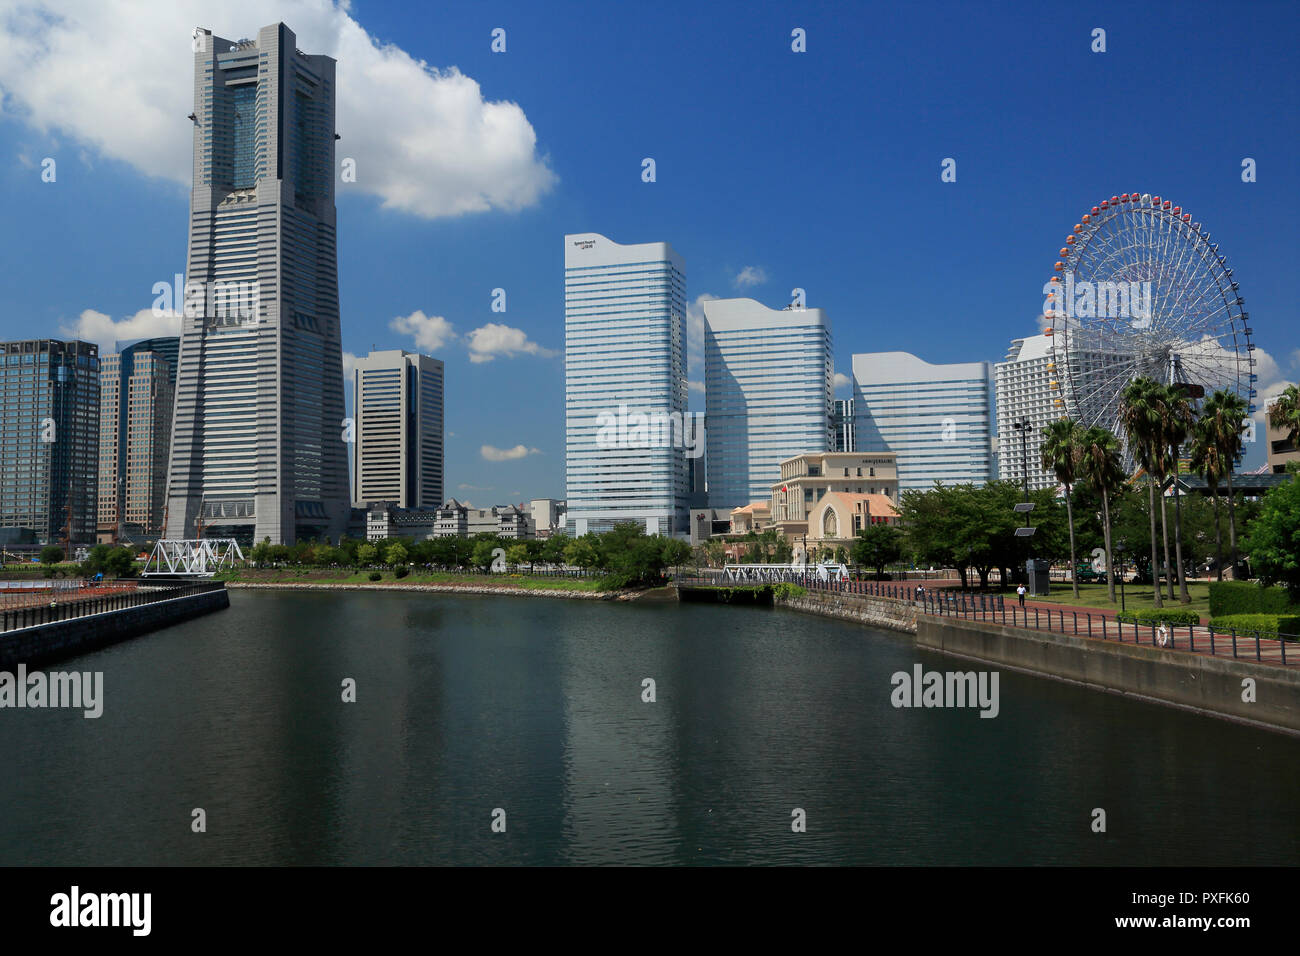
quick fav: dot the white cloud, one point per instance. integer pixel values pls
(116, 75)
(749, 276)
(349, 365)
(92, 326)
(495, 340)
(466, 487)
(492, 453)
(695, 387)
(842, 381)
(430, 332)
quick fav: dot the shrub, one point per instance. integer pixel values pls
(376, 576)
(1266, 625)
(402, 572)
(785, 591)
(1156, 616)
(1247, 597)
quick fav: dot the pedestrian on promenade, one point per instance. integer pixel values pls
(1162, 634)
(1020, 594)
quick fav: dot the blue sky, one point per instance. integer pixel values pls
(819, 170)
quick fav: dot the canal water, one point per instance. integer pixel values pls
(530, 712)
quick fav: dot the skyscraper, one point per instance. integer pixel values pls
(398, 405)
(625, 385)
(258, 445)
(768, 385)
(135, 401)
(935, 418)
(49, 441)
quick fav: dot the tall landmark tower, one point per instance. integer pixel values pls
(257, 445)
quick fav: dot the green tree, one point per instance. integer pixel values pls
(517, 554)
(261, 553)
(1284, 413)
(1060, 454)
(1273, 538)
(876, 546)
(1142, 419)
(51, 555)
(581, 553)
(1179, 419)
(484, 551)
(553, 548)
(395, 554)
(674, 552)
(1216, 443)
(1100, 466)
(366, 554)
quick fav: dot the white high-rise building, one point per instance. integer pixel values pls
(768, 382)
(626, 421)
(398, 398)
(1029, 387)
(935, 418)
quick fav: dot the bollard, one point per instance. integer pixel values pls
(1211, 641)
(1234, 642)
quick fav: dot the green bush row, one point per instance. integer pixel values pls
(1160, 616)
(1247, 597)
(786, 590)
(1267, 625)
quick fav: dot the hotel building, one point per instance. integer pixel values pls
(625, 357)
(935, 418)
(768, 379)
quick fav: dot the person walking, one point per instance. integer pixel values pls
(1162, 635)
(1020, 594)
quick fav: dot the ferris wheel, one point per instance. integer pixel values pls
(1140, 290)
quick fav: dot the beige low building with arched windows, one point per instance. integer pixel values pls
(848, 490)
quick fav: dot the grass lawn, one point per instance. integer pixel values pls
(1136, 596)
(293, 576)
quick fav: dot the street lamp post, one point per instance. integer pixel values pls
(1023, 426)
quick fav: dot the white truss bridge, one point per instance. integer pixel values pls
(192, 557)
(745, 573)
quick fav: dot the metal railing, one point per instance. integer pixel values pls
(993, 609)
(36, 615)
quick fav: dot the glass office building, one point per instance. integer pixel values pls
(49, 441)
(258, 447)
(136, 387)
(935, 418)
(626, 423)
(768, 380)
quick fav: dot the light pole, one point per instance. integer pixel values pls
(1023, 426)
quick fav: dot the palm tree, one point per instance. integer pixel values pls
(1060, 453)
(1178, 422)
(1225, 414)
(1284, 413)
(1142, 419)
(1099, 464)
(1208, 462)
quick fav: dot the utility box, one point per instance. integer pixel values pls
(1038, 572)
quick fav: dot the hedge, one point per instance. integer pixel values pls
(1267, 625)
(1160, 616)
(1247, 597)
